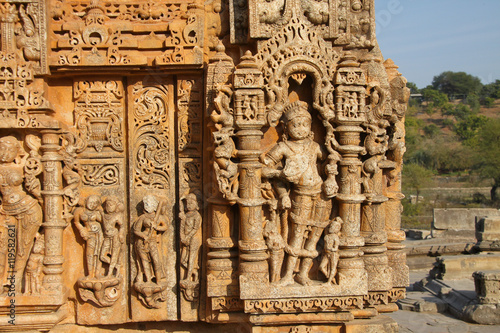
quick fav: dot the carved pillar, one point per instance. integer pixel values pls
(350, 113)
(222, 281)
(53, 223)
(393, 207)
(249, 119)
(8, 17)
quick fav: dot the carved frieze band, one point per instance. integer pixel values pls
(110, 33)
(304, 305)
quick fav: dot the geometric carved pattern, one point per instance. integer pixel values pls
(304, 305)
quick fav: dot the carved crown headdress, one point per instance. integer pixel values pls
(296, 109)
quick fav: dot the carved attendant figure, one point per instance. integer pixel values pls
(190, 230)
(34, 266)
(88, 222)
(309, 211)
(18, 210)
(328, 265)
(114, 237)
(146, 229)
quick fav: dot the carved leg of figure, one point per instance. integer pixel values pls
(194, 250)
(334, 259)
(294, 248)
(146, 266)
(116, 250)
(106, 250)
(157, 265)
(306, 263)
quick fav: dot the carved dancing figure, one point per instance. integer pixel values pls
(34, 266)
(19, 211)
(190, 234)
(114, 236)
(88, 221)
(330, 259)
(309, 210)
(147, 229)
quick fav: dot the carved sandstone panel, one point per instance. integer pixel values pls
(111, 33)
(152, 189)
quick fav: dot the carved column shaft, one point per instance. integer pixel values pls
(249, 120)
(54, 223)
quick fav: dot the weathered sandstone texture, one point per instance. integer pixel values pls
(215, 161)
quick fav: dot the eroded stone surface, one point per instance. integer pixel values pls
(200, 161)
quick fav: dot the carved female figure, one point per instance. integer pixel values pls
(88, 221)
(147, 229)
(190, 236)
(18, 210)
(190, 232)
(309, 211)
(114, 237)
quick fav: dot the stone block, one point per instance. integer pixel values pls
(458, 221)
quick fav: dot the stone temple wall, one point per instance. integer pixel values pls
(213, 162)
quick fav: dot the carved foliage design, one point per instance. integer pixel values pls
(99, 108)
(96, 33)
(152, 165)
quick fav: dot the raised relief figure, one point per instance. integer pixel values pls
(114, 234)
(190, 234)
(95, 227)
(20, 214)
(150, 281)
(35, 265)
(330, 259)
(308, 209)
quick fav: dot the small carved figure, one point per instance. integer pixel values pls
(190, 234)
(225, 169)
(34, 266)
(72, 189)
(222, 116)
(276, 246)
(114, 234)
(88, 221)
(309, 210)
(328, 265)
(150, 279)
(19, 212)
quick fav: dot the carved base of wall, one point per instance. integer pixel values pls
(380, 324)
(31, 317)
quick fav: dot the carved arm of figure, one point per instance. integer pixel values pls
(270, 170)
(137, 228)
(79, 219)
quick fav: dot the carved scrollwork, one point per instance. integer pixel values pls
(151, 137)
(304, 305)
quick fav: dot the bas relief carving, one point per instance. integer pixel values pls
(199, 161)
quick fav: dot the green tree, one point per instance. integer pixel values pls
(416, 177)
(488, 154)
(436, 100)
(469, 128)
(457, 83)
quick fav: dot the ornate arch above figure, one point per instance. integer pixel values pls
(297, 49)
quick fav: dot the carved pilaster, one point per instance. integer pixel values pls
(54, 223)
(249, 119)
(350, 114)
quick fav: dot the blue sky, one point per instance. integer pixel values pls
(428, 37)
